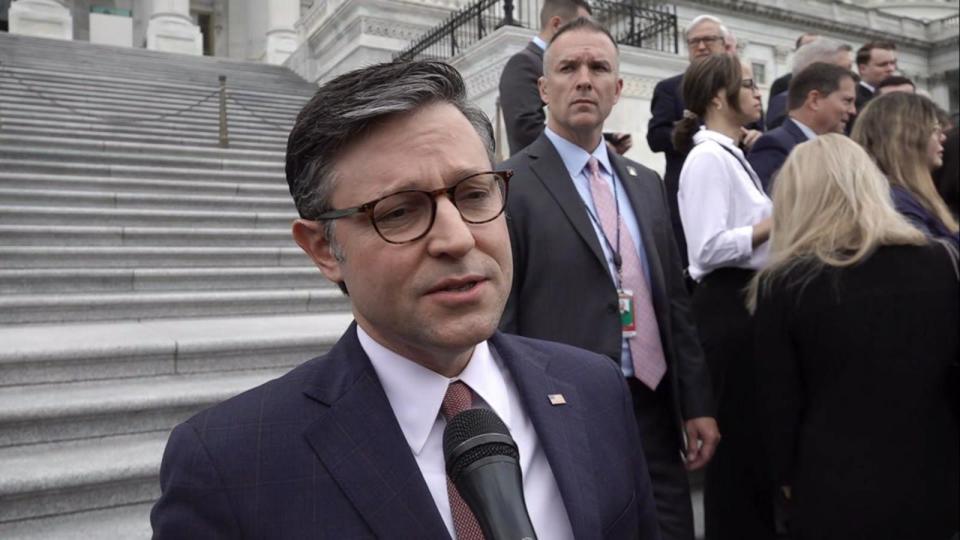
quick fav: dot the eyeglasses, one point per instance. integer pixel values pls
(406, 216)
(706, 40)
(749, 84)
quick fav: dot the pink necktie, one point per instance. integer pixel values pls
(458, 399)
(646, 350)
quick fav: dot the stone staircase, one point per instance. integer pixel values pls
(145, 272)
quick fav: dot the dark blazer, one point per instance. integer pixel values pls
(777, 111)
(771, 150)
(781, 84)
(666, 109)
(520, 100)
(318, 453)
(562, 288)
(863, 96)
(853, 370)
(910, 207)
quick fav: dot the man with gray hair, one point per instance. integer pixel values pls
(390, 169)
(706, 35)
(822, 50)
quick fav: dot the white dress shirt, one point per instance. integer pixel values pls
(720, 200)
(415, 394)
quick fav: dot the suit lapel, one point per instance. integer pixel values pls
(561, 431)
(547, 165)
(360, 444)
(794, 130)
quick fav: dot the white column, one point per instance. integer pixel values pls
(42, 18)
(281, 36)
(171, 28)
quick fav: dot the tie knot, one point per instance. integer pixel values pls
(593, 166)
(458, 398)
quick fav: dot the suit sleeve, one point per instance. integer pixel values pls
(696, 389)
(193, 503)
(766, 157)
(520, 99)
(779, 383)
(662, 118)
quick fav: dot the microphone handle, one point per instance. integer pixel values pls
(493, 488)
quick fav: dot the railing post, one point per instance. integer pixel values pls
(508, 13)
(223, 111)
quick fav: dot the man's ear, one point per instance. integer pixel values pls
(555, 23)
(309, 236)
(542, 86)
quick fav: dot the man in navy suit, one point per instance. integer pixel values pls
(391, 171)
(821, 99)
(819, 50)
(706, 35)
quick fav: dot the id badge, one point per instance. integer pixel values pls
(628, 323)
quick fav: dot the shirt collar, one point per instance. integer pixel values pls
(804, 128)
(708, 135)
(868, 87)
(415, 392)
(575, 158)
(539, 42)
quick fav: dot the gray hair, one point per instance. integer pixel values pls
(345, 109)
(819, 50)
(700, 19)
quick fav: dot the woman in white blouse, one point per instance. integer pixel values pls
(726, 221)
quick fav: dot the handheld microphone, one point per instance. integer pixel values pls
(484, 464)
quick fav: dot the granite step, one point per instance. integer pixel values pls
(144, 201)
(46, 413)
(102, 280)
(42, 215)
(92, 236)
(169, 131)
(161, 347)
(139, 149)
(13, 257)
(139, 171)
(66, 182)
(127, 522)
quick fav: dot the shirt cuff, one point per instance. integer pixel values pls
(743, 236)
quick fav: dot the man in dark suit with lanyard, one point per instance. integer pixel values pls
(706, 35)
(596, 265)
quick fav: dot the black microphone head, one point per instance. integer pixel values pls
(472, 435)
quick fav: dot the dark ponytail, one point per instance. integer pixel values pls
(701, 82)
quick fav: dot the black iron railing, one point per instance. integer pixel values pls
(635, 23)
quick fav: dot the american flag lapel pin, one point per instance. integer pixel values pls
(557, 399)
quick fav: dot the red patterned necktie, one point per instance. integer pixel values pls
(458, 399)
(649, 364)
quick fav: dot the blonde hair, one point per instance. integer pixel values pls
(895, 130)
(831, 208)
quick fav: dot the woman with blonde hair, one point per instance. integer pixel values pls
(904, 136)
(856, 317)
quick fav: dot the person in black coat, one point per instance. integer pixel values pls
(856, 319)
(782, 83)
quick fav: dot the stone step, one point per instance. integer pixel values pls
(138, 171)
(12, 257)
(139, 149)
(40, 235)
(186, 120)
(46, 413)
(129, 521)
(55, 88)
(56, 308)
(21, 181)
(238, 138)
(100, 280)
(120, 200)
(73, 476)
(159, 159)
(152, 347)
(105, 103)
(57, 129)
(42, 215)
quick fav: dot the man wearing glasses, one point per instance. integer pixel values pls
(390, 170)
(706, 35)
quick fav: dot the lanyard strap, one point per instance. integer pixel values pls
(617, 259)
(750, 174)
